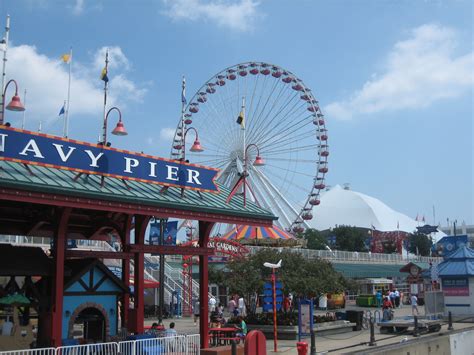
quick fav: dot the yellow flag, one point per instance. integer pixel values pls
(241, 119)
(66, 58)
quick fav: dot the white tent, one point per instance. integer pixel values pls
(341, 206)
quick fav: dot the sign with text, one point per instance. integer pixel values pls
(55, 152)
(456, 286)
(305, 318)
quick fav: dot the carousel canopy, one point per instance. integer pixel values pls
(242, 233)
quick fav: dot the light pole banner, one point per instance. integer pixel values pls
(61, 153)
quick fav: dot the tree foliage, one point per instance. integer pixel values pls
(350, 238)
(302, 277)
(315, 239)
(420, 244)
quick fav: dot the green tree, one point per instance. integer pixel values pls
(302, 277)
(315, 239)
(420, 244)
(350, 238)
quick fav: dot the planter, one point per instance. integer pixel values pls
(287, 332)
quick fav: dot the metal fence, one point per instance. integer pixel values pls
(44, 351)
(349, 256)
(177, 345)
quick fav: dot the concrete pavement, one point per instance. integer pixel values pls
(337, 343)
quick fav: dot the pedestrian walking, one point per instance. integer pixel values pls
(242, 308)
(378, 298)
(414, 305)
(196, 311)
(231, 306)
(212, 304)
(397, 298)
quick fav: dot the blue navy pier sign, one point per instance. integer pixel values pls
(52, 151)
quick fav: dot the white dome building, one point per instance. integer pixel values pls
(341, 206)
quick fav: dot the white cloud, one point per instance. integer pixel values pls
(237, 15)
(117, 60)
(167, 134)
(46, 80)
(78, 7)
(418, 72)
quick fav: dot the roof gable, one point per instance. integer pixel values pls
(91, 275)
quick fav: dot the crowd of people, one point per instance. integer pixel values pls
(393, 299)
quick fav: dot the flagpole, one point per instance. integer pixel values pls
(7, 31)
(104, 132)
(24, 112)
(66, 118)
(242, 125)
(183, 108)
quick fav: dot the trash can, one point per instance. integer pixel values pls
(302, 348)
(355, 317)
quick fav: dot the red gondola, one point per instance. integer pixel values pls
(254, 71)
(298, 229)
(188, 121)
(322, 137)
(320, 186)
(287, 79)
(307, 216)
(231, 77)
(314, 202)
(220, 82)
(305, 97)
(276, 74)
(324, 153)
(323, 170)
(297, 87)
(265, 71)
(177, 146)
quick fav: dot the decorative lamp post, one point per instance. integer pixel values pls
(274, 267)
(14, 105)
(119, 130)
(196, 147)
(243, 178)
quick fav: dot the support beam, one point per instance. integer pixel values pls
(58, 278)
(76, 253)
(141, 223)
(204, 232)
(170, 250)
(125, 236)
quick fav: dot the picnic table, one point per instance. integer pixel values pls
(222, 336)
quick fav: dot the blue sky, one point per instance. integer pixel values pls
(394, 79)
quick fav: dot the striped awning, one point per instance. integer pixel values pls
(242, 232)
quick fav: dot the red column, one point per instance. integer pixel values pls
(204, 232)
(126, 271)
(58, 277)
(141, 223)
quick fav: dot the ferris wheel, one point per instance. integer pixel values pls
(282, 125)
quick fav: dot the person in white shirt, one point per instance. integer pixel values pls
(212, 304)
(242, 310)
(414, 305)
(397, 298)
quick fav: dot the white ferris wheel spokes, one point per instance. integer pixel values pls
(282, 118)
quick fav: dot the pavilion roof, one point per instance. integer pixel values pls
(55, 181)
